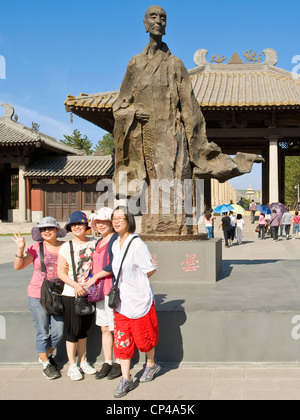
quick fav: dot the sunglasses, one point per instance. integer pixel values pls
(76, 224)
(44, 229)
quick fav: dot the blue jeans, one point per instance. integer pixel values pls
(209, 231)
(49, 329)
(295, 228)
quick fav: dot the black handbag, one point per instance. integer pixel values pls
(51, 291)
(82, 305)
(113, 295)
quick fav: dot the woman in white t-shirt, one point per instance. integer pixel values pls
(136, 323)
(239, 228)
(76, 326)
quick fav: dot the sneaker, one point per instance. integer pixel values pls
(74, 373)
(50, 372)
(115, 371)
(124, 387)
(104, 371)
(149, 373)
(87, 368)
(53, 363)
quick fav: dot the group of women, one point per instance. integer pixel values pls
(131, 325)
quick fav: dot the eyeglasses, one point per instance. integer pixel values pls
(44, 229)
(118, 219)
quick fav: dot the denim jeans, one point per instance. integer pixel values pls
(49, 329)
(209, 231)
(295, 228)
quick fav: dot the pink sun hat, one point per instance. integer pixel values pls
(104, 214)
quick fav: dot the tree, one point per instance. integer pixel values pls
(78, 141)
(292, 178)
(105, 146)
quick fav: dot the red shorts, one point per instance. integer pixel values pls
(130, 334)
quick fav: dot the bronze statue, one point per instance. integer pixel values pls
(160, 132)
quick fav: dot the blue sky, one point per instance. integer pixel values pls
(60, 47)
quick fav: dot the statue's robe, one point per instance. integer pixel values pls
(173, 143)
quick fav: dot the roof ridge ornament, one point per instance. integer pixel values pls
(235, 59)
(9, 111)
(271, 58)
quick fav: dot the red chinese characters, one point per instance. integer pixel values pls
(191, 263)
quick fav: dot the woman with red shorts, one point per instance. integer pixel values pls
(136, 325)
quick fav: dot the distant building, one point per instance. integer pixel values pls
(41, 176)
(251, 194)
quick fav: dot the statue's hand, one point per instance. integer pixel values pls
(142, 117)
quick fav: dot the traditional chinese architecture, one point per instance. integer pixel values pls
(43, 177)
(249, 105)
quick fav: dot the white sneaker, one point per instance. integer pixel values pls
(87, 368)
(74, 373)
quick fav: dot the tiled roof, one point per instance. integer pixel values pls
(72, 167)
(219, 85)
(94, 101)
(13, 133)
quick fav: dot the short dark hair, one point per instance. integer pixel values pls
(129, 217)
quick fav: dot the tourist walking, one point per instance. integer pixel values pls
(252, 208)
(102, 279)
(239, 228)
(262, 226)
(286, 223)
(209, 224)
(232, 227)
(296, 221)
(75, 285)
(275, 222)
(225, 223)
(48, 328)
(136, 323)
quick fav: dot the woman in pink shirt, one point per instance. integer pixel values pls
(102, 276)
(262, 226)
(49, 329)
(296, 221)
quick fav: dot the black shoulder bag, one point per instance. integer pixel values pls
(51, 291)
(82, 306)
(113, 295)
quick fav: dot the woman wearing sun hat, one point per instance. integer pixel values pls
(102, 275)
(49, 329)
(76, 326)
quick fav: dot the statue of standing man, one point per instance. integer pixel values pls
(160, 132)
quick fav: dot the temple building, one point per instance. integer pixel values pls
(41, 176)
(249, 105)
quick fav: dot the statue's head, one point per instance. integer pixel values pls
(155, 21)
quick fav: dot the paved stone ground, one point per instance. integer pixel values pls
(255, 382)
(186, 383)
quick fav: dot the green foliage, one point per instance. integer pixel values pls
(106, 145)
(292, 178)
(78, 141)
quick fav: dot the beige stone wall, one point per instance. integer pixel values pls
(222, 193)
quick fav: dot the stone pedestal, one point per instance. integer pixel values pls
(192, 261)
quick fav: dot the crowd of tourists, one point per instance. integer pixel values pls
(274, 223)
(73, 285)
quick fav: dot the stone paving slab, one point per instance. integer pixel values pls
(171, 385)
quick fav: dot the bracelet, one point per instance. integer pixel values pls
(18, 256)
